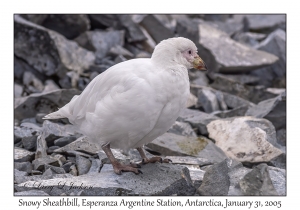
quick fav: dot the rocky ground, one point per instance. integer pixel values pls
(230, 140)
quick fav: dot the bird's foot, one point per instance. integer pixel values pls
(132, 167)
(154, 160)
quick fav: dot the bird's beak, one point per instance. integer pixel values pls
(199, 64)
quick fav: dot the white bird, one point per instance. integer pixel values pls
(135, 101)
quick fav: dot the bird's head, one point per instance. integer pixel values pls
(180, 51)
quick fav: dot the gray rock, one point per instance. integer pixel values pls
(278, 178)
(23, 166)
(273, 109)
(170, 144)
(67, 166)
(238, 57)
(18, 90)
(83, 165)
(69, 25)
(200, 78)
(95, 166)
(61, 158)
(133, 31)
(22, 155)
(42, 102)
(35, 18)
(218, 17)
(50, 85)
(258, 182)
(182, 128)
(73, 170)
(64, 141)
(239, 78)
(30, 79)
(189, 160)
(281, 136)
(41, 147)
(103, 20)
(153, 181)
(39, 117)
(53, 131)
(254, 94)
(155, 28)
(55, 169)
(51, 149)
(249, 38)
(119, 50)
(239, 111)
(31, 193)
(230, 26)
(197, 119)
(29, 142)
(21, 132)
(101, 41)
(81, 144)
(232, 134)
(207, 100)
(233, 101)
(196, 176)
(39, 163)
(216, 180)
(185, 27)
(265, 22)
(20, 176)
(49, 52)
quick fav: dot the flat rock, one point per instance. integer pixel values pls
(278, 178)
(49, 51)
(63, 141)
(69, 25)
(189, 160)
(281, 136)
(265, 21)
(197, 119)
(39, 163)
(83, 165)
(23, 166)
(31, 193)
(81, 144)
(249, 38)
(22, 155)
(183, 129)
(18, 90)
(29, 143)
(207, 100)
(234, 57)
(170, 144)
(155, 28)
(239, 111)
(48, 102)
(153, 181)
(240, 78)
(232, 134)
(258, 182)
(95, 166)
(215, 181)
(273, 109)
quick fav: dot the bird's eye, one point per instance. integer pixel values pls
(190, 52)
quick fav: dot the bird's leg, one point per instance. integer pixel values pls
(118, 167)
(155, 159)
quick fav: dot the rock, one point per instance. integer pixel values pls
(192, 101)
(239, 111)
(196, 176)
(258, 182)
(207, 100)
(120, 157)
(170, 144)
(200, 78)
(101, 41)
(238, 57)
(67, 166)
(185, 27)
(119, 50)
(20, 66)
(189, 160)
(183, 129)
(273, 109)
(218, 17)
(30, 80)
(41, 147)
(39, 163)
(61, 158)
(95, 166)
(265, 22)
(243, 79)
(73, 170)
(23, 166)
(281, 136)
(278, 178)
(20, 176)
(236, 172)
(254, 94)
(31, 193)
(153, 181)
(51, 149)
(249, 38)
(29, 143)
(42, 102)
(133, 31)
(103, 20)
(197, 119)
(22, 155)
(39, 117)
(216, 180)
(81, 144)
(49, 51)
(83, 165)
(230, 26)
(232, 134)
(35, 18)
(155, 28)
(69, 25)
(21, 132)
(233, 101)
(63, 141)
(50, 85)
(53, 131)
(276, 91)
(55, 169)
(18, 90)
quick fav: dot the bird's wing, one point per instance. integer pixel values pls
(117, 102)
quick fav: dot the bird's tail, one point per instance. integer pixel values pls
(53, 115)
